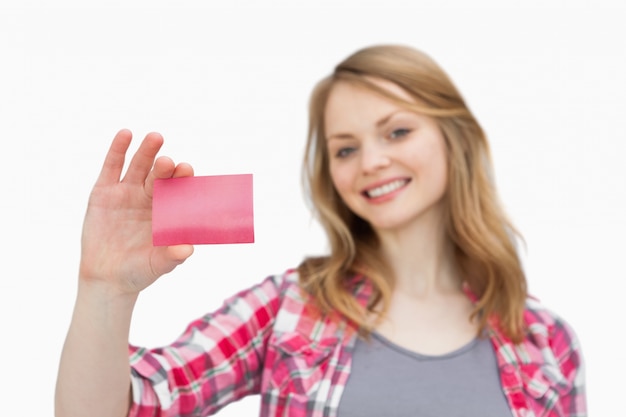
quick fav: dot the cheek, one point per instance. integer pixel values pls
(439, 170)
(431, 163)
(341, 177)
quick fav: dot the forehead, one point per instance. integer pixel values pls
(352, 103)
(353, 106)
(341, 88)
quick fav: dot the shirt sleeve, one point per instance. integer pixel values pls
(217, 360)
(568, 354)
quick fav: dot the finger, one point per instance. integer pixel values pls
(163, 168)
(114, 160)
(183, 170)
(142, 161)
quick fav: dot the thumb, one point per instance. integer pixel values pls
(179, 253)
(172, 256)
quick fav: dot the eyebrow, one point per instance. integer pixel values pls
(379, 123)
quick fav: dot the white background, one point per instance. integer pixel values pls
(228, 87)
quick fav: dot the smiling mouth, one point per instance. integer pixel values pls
(385, 189)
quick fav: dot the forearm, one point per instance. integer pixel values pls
(94, 372)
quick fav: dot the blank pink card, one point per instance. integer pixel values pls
(203, 210)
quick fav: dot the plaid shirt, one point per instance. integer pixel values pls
(268, 340)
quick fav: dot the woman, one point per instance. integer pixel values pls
(420, 308)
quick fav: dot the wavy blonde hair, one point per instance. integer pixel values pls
(482, 237)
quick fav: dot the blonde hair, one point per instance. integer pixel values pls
(482, 237)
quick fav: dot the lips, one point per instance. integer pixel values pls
(386, 188)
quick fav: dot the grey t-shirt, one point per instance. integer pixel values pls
(389, 380)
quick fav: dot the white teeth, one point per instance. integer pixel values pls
(385, 189)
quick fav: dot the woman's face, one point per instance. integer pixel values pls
(387, 163)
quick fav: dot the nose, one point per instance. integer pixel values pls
(374, 157)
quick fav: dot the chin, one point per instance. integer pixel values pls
(386, 226)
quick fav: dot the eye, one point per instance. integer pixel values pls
(399, 133)
(344, 152)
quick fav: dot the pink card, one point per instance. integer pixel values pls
(203, 210)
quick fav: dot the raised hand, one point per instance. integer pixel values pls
(117, 248)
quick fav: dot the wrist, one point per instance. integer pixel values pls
(105, 292)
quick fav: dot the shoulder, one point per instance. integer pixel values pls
(283, 293)
(273, 287)
(298, 313)
(551, 338)
(284, 287)
(296, 306)
(548, 329)
(261, 302)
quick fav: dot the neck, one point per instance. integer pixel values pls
(421, 257)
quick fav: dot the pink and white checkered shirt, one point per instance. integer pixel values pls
(268, 340)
